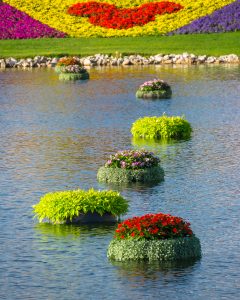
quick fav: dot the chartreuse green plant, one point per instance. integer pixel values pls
(160, 237)
(164, 127)
(62, 206)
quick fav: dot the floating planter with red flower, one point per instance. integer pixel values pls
(153, 237)
(154, 89)
(131, 166)
(80, 206)
(163, 127)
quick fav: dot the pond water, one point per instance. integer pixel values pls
(55, 135)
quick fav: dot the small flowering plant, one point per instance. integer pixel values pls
(132, 160)
(154, 85)
(153, 226)
(68, 61)
(76, 69)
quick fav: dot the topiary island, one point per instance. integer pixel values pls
(164, 127)
(79, 206)
(70, 68)
(131, 166)
(154, 89)
(154, 237)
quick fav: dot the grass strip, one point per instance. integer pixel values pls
(199, 44)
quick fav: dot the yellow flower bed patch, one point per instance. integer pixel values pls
(54, 13)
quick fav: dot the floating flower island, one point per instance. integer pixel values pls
(154, 237)
(164, 127)
(131, 166)
(79, 206)
(70, 68)
(154, 89)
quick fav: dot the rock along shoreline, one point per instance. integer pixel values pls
(118, 60)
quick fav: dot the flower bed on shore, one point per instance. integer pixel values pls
(108, 18)
(154, 237)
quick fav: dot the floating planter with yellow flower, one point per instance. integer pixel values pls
(164, 127)
(154, 89)
(131, 166)
(154, 237)
(79, 206)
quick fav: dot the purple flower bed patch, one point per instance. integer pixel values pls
(222, 20)
(15, 24)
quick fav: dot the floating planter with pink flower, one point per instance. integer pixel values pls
(73, 72)
(131, 166)
(67, 61)
(154, 237)
(154, 89)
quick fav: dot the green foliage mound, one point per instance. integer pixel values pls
(60, 207)
(154, 250)
(163, 127)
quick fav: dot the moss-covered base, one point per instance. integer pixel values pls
(158, 94)
(154, 250)
(73, 76)
(118, 175)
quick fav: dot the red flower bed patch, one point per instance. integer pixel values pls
(153, 226)
(109, 16)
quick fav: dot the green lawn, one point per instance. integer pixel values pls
(210, 44)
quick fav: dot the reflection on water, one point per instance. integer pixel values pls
(55, 135)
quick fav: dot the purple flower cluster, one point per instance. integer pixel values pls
(222, 20)
(130, 159)
(15, 24)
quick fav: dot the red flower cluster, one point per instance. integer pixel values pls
(109, 16)
(153, 226)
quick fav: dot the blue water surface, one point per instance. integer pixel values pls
(55, 135)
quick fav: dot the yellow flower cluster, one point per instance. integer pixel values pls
(54, 13)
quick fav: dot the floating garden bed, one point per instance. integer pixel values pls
(164, 127)
(131, 166)
(154, 89)
(70, 68)
(154, 237)
(79, 206)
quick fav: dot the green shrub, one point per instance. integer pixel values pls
(118, 175)
(59, 207)
(154, 250)
(163, 127)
